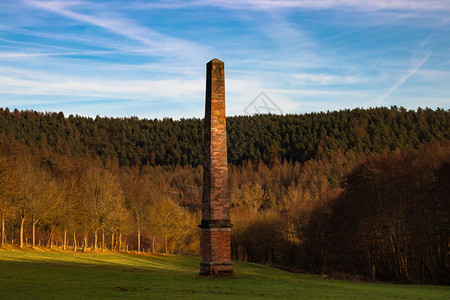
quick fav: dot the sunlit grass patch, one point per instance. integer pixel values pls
(67, 275)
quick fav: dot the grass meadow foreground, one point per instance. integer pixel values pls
(38, 274)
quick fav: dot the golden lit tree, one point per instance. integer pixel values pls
(8, 191)
(102, 194)
(166, 220)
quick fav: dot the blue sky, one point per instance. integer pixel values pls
(147, 58)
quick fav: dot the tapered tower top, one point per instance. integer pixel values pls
(215, 61)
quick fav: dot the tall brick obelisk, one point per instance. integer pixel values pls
(216, 224)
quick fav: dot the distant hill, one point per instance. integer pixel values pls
(135, 142)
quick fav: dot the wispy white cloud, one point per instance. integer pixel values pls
(405, 77)
(8, 55)
(164, 44)
(38, 83)
(308, 4)
(279, 29)
(21, 44)
(434, 75)
(85, 39)
(33, 49)
(327, 79)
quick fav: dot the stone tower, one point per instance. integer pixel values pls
(216, 225)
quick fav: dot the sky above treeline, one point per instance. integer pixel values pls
(147, 58)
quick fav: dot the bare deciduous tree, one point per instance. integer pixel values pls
(102, 195)
(8, 191)
(166, 220)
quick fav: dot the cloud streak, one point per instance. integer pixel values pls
(368, 5)
(404, 78)
(164, 44)
(6, 55)
(18, 82)
(327, 79)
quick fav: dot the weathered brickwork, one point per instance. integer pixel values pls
(216, 225)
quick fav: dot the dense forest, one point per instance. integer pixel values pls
(295, 138)
(352, 193)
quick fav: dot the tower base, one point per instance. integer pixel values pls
(216, 250)
(216, 268)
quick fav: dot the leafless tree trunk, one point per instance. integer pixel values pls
(85, 241)
(139, 240)
(112, 241)
(153, 244)
(120, 241)
(22, 221)
(51, 237)
(74, 241)
(65, 238)
(3, 230)
(165, 243)
(95, 240)
(34, 234)
(103, 240)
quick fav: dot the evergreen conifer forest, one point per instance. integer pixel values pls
(360, 193)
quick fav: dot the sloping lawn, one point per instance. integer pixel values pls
(37, 274)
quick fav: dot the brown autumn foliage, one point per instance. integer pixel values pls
(391, 222)
(377, 216)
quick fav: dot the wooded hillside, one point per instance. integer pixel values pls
(296, 138)
(349, 193)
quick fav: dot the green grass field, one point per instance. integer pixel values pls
(65, 275)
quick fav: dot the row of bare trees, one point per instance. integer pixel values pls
(392, 221)
(386, 219)
(377, 216)
(89, 203)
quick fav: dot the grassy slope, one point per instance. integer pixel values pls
(64, 275)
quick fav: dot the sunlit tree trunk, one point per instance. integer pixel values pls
(65, 238)
(34, 234)
(3, 230)
(74, 241)
(139, 239)
(22, 221)
(120, 241)
(51, 237)
(165, 243)
(85, 241)
(153, 244)
(103, 240)
(112, 241)
(95, 240)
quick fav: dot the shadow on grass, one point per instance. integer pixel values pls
(66, 275)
